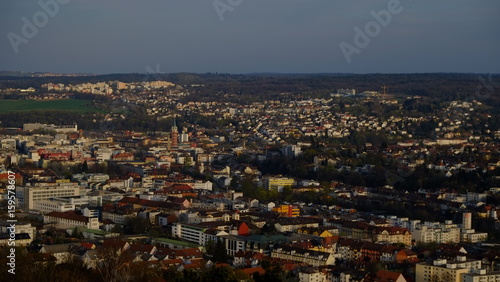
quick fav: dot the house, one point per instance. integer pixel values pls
(62, 252)
(252, 270)
(21, 239)
(185, 254)
(88, 246)
(345, 274)
(314, 258)
(247, 258)
(406, 256)
(118, 214)
(321, 232)
(142, 249)
(118, 245)
(145, 257)
(284, 224)
(164, 219)
(310, 274)
(392, 235)
(389, 276)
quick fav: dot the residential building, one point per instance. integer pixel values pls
(313, 258)
(20, 228)
(481, 275)
(446, 270)
(62, 220)
(311, 275)
(437, 232)
(277, 183)
(287, 210)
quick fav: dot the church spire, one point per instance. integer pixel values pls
(174, 127)
(174, 134)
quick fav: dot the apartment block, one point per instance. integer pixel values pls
(28, 195)
(446, 270)
(277, 183)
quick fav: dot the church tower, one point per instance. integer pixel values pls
(174, 135)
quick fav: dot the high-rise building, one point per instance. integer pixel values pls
(466, 221)
(184, 137)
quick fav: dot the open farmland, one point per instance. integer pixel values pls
(74, 105)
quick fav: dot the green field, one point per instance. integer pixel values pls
(73, 105)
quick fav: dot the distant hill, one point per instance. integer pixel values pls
(446, 86)
(38, 74)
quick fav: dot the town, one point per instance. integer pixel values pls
(169, 181)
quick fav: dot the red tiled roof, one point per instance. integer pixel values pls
(148, 203)
(113, 243)
(170, 262)
(87, 245)
(252, 270)
(6, 175)
(140, 248)
(384, 275)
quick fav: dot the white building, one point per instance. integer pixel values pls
(312, 275)
(481, 275)
(20, 228)
(428, 232)
(189, 232)
(46, 206)
(468, 234)
(63, 220)
(446, 270)
(28, 195)
(202, 185)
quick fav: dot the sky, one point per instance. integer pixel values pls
(247, 36)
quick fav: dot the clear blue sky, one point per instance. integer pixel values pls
(122, 36)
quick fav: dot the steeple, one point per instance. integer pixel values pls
(174, 135)
(174, 127)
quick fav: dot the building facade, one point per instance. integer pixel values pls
(28, 195)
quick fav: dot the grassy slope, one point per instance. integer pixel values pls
(9, 106)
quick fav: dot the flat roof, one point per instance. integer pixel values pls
(176, 242)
